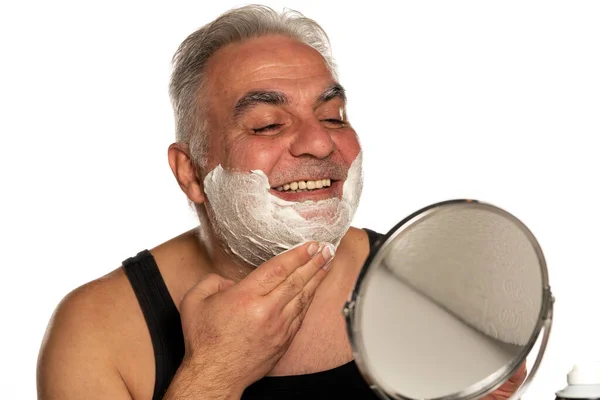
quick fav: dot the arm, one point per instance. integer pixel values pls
(74, 361)
(242, 329)
(235, 333)
(186, 385)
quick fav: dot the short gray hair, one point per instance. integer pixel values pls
(190, 59)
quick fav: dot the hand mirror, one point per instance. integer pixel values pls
(449, 304)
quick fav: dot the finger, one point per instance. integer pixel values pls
(494, 397)
(512, 384)
(498, 395)
(507, 388)
(521, 373)
(209, 285)
(269, 275)
(295, 311)
(295, 300)
(518, 377)
(298, 307)
(297, 280)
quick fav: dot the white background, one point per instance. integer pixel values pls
(497, 101)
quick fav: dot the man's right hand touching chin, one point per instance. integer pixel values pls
(236, 332)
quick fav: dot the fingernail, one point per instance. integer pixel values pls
(328, 252)
(312, 249)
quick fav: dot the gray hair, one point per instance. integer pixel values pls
(189, 62)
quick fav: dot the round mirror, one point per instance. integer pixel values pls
(449, 304)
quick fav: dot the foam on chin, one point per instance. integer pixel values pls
(255, 225)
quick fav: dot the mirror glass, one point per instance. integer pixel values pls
(449, 304)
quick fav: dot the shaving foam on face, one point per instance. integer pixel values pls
(255, 225)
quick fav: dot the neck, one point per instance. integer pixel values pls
(221, 261)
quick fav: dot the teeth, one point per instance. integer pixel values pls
(303, 186)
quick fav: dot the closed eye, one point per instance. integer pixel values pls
(267, 128)
(334, 121)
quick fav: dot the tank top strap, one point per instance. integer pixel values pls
(161, 315)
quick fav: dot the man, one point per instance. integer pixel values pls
(248, 305)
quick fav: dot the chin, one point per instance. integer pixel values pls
(324, 212)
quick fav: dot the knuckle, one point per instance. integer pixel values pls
(260, 313)
(295, 283)
(279, 271)
(244, 302)
(248, 301)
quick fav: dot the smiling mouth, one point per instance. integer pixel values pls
(305, 186)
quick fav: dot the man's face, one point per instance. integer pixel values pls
(274, 106)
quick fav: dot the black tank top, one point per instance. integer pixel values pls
(164, 324)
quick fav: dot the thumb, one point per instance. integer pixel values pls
(207, 286)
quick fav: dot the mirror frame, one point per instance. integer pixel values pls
(351, 310)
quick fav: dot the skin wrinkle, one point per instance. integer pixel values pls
(261, 71)
(262, 77)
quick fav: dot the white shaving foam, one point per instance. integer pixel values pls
(255, 225)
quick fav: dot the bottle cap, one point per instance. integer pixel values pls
(584, 374)
(583, 382)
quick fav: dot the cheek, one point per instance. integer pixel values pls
(255, 153)
(348, 145)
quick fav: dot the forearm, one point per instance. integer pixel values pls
(196, 382)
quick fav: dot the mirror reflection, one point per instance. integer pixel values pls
(451, 304)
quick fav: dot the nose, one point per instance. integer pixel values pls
(312, 139)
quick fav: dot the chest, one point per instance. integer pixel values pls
(321, 344)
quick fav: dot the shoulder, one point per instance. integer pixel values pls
(364, 236)
(89, 307)
(94, 307)
(97, 340)
(83, 336)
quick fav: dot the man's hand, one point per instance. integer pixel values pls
(509, 387)
(235, 333)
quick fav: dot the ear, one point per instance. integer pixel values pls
(186, 173)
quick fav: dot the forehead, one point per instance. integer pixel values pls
(268, 62)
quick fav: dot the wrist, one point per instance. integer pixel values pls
(199, 379)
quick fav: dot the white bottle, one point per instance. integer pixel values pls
(583, 383)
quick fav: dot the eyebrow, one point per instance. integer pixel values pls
(255, 97)
(334, 91)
